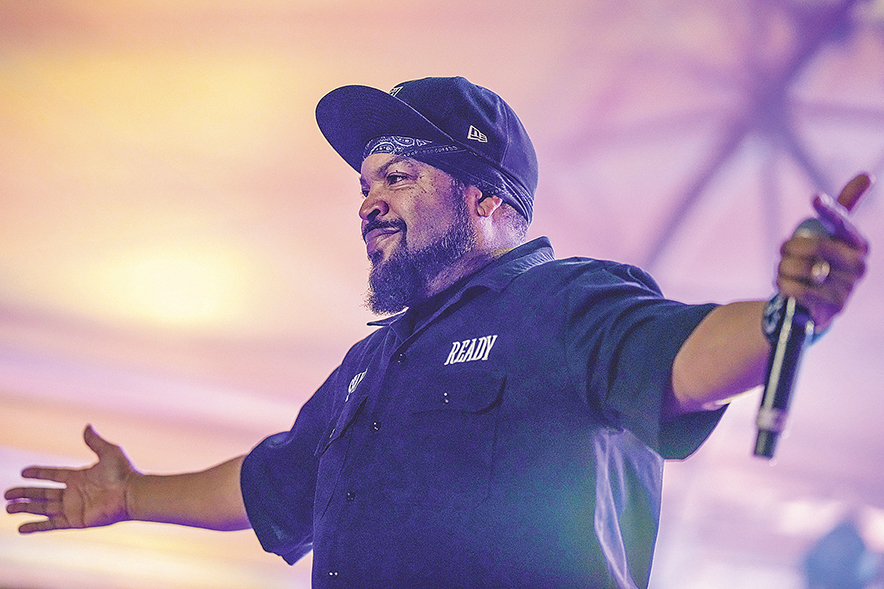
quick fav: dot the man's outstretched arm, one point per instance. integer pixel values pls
(111, 490)
(727, 353)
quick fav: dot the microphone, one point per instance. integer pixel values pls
(794, 330)
(792, 323)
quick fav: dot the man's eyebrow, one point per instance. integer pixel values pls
(396, 159)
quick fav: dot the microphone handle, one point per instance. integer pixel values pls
(795, 333)
(796, 329)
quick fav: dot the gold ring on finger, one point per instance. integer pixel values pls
(819, 272)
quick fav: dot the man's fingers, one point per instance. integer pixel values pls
(834, 213)
(840, 255)
(834, 217)
(57, 475)
(31, 527)
(853, 190)
(33, 494)
(43, 526)
(95, 442)
(796, 278)
(47, 508)
(38, 501)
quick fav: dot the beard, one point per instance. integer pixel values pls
(402, 280)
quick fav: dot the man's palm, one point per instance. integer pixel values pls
(94, 496)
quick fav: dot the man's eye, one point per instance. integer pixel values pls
(394, 177)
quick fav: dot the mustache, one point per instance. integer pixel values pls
(397, 224)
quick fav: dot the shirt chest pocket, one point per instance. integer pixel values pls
(331, 452)
(339, 425)
(443, 452)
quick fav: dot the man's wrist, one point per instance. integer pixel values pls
(131, 485)
(772, 320)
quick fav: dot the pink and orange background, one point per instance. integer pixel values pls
(181, 266)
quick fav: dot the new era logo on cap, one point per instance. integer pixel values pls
(476, 135)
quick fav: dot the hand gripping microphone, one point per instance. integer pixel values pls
(793, 329)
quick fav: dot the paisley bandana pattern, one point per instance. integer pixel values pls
(406, 146)
(459, 162)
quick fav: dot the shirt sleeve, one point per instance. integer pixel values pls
(624, 339)
(278, 481)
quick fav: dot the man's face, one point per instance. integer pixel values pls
(415, 224)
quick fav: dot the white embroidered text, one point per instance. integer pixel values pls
(470, 350)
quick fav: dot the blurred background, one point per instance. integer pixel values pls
(181, 266)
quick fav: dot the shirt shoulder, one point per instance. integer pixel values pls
(590, 278)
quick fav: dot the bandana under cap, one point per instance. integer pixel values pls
(453, 160)
(406, 146)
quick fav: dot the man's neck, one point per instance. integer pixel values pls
(466, 266)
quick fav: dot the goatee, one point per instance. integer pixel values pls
(402, 280)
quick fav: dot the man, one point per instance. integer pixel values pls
(508, 428)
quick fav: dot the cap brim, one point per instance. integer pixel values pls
(350, 116)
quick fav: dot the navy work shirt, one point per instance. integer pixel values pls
(510, 437)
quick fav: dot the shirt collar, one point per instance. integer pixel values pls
(497, 275)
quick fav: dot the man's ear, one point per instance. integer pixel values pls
(486, 204)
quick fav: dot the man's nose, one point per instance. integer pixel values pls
(373, 206)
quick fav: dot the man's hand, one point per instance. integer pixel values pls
(727, 353)
(821, 271)
(94, 496)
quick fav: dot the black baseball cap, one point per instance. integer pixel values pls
(495, 151)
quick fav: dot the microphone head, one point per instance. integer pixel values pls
(814, 227)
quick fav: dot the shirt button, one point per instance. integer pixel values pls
(333, 574)
(376, 425)
(351, 496)
(445, 398)
(400, 359)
